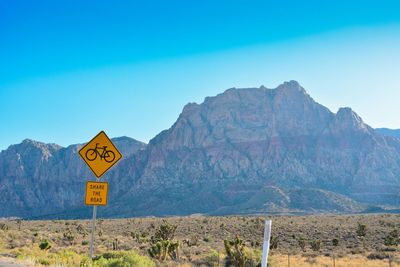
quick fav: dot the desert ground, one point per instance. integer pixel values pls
(318, 240)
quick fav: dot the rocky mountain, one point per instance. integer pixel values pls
(389, 132)
(38, 178)
(250, 150)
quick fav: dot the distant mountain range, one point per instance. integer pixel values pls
(389, 132)
(244, 151)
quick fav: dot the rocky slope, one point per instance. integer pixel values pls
(222, 153)
(389, 132)
(243, 151)
(38, 178)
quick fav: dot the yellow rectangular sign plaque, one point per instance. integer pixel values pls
(96, 193)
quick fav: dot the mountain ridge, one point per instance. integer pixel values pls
(251, 150)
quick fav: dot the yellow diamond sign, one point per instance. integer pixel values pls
(100, 154)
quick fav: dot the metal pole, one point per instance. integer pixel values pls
(93, 231)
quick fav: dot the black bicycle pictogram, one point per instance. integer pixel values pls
(107, 155)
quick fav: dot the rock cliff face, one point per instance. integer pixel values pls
(243, 151)
(221, 154)
(38, 178)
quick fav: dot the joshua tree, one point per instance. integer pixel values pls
(274, 242)
(315, 245)
(302, 243)
(361, 230)
(235, 250)
(69, 236)
(162, 244)
(19, 222)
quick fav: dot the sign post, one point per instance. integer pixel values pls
(267, 236)
(93, 231)
(100, 154)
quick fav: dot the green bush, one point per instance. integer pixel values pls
(315, 245)
(45, 245)
(361, 230)
(274, 242)
(45, 262)
(302, 243)
(123, 259)
(241, 256)
(235, 252)
(211, 259)
(69, 236)
(393, 239)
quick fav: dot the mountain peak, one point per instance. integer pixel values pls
(348, 117)
(48, 148)
(128, 146)
(248, 115)
(292, 86)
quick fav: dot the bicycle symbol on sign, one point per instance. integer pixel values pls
(107, 155)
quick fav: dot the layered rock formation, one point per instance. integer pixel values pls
(243, 151)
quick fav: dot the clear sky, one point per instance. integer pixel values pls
(69, 69)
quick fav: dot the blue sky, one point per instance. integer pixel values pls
(72, 68)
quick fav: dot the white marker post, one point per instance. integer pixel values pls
(267, 236)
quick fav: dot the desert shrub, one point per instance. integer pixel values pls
(141, 237)
(115, 244)
(378, 256)
(274, 242)
(65, 258)
(335, 242)
(81, 230)
(315, 245)
(254, 257)
(69, 236)
(123, 259)
(45, 245)
(392, 239)
(193, 241)
(211, 259)
(239, 255)
(361, 230)
(302, 243)
(85, 262)
(3, 226)
(43, 261)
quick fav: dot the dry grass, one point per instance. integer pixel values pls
(201, 236)
(322, 261)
